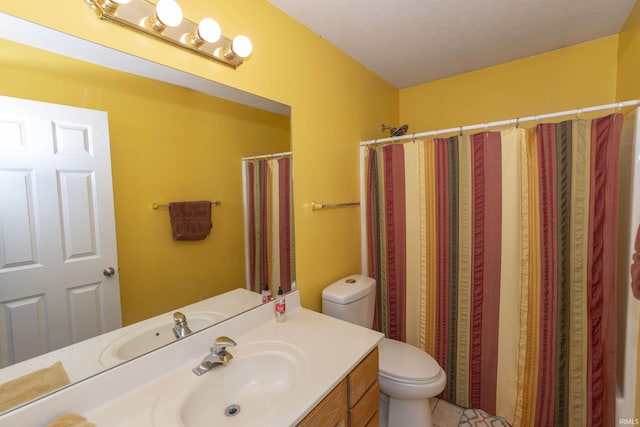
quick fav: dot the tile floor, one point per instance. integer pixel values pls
(446, 414)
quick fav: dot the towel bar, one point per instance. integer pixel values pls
(318, 206)
(166, 205)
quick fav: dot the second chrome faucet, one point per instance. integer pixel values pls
(180, 328)
(219, 355)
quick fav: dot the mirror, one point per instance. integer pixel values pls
(171, 140)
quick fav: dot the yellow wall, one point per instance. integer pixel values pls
(579, 76)
(335, 104)
(167, 144)
(629, 57)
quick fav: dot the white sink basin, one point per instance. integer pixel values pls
(152, 334)
(244, 392)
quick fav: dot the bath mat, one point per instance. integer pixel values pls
(30, 386)
(445, 414)
(71, 420)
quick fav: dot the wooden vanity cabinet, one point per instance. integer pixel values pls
(353, 402)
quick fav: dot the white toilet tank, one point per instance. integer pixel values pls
(351, 298)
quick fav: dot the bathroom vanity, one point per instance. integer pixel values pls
(305, 371)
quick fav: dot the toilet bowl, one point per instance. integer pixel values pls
(408, 376)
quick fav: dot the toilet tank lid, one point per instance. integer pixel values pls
(349, 289)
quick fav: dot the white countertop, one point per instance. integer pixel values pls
(126, 395)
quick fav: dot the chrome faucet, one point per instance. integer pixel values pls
(219, 355)
(180, 329)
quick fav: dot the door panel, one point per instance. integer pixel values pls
(24, 317)
(57, 228)
(85, 308)
(77, 201)
(18, 234)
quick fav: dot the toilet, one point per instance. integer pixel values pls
(408, 376)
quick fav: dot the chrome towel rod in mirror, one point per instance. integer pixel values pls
(166, 205)
(318, 206)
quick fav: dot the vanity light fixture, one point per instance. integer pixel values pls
(164, 20)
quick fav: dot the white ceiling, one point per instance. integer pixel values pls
(408, 42)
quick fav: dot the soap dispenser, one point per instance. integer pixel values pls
(266, 293)
(281, 306)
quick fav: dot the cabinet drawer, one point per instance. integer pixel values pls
(332, 411)
(367, 406)
(362, 376)
(374, 421)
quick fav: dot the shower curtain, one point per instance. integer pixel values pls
(269, 224)
(496, 254)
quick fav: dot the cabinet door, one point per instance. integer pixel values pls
(362, 377)
(331, 412)
(363, 411)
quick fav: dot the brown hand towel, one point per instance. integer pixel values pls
(30, 386)
(190, 220)
(70, 420)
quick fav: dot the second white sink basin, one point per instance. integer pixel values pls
(241, 393)
(152, 334)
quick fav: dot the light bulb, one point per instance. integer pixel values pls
(209, 30)
(242, 46)
(168, 14)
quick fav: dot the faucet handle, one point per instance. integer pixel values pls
(221, 343)
(179, 318)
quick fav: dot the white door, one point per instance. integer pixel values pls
(57, 228)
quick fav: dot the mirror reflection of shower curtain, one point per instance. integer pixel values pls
(268, 193)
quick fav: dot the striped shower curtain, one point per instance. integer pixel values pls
(269, 198)
(496, 254)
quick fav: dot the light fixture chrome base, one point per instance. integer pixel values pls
(135, 15)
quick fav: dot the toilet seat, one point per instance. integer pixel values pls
(408, 373)
(404, 363)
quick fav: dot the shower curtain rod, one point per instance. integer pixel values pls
(268, 156)
(517, 121)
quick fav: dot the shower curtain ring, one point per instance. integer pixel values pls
(461, 134)
(517, 122)
(578, 112)
(619, 107)
(413, 138)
